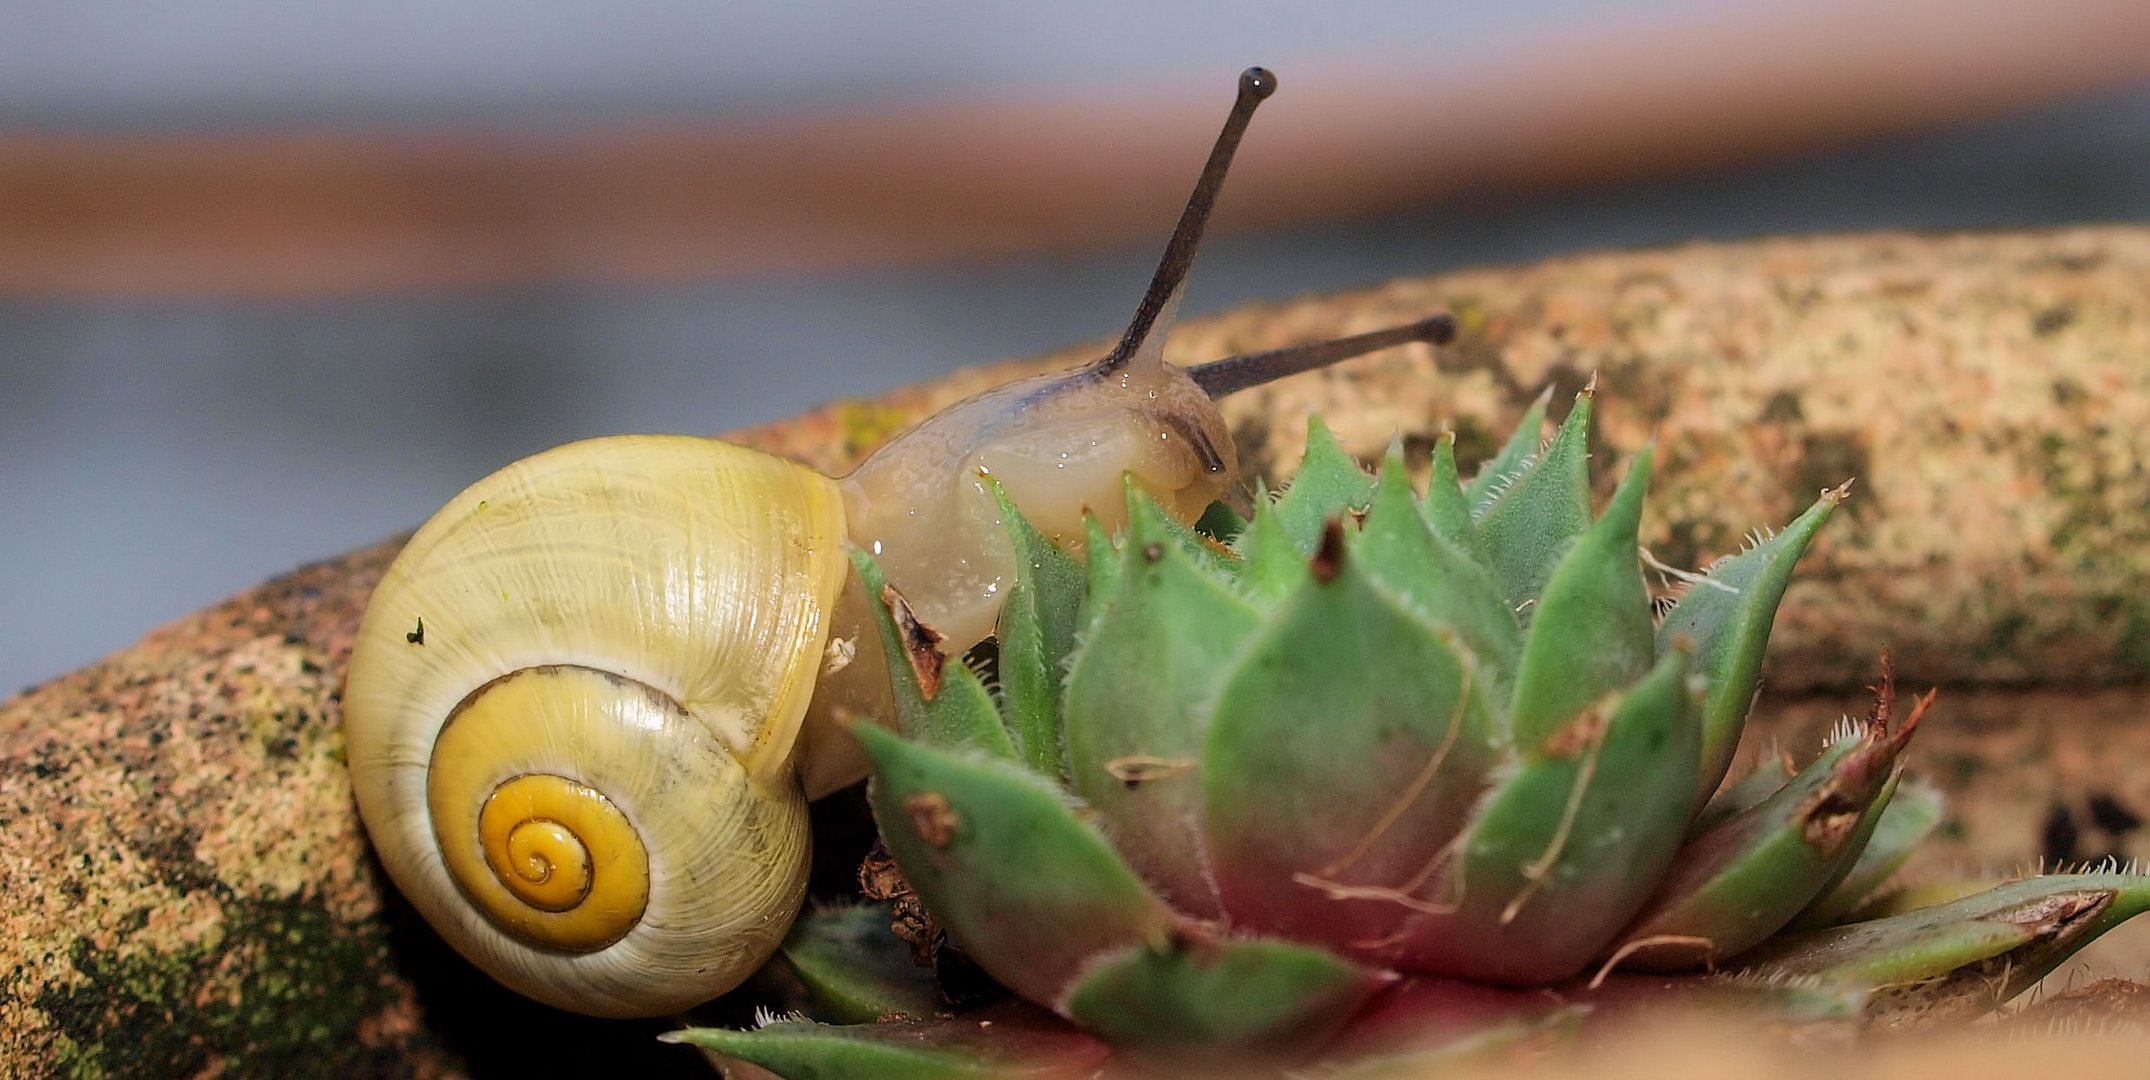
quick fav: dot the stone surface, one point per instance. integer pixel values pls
(189, 891)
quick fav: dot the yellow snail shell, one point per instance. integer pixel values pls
(579, 770)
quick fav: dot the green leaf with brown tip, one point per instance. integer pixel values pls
(1316, 776)
(1531, 517)
(1000, 1043)
(1960, 959)
(1196, 999)
(855, 970)
(1911, 814)
(938, 700)
(1727, 615)
(1031, 891)
(1036, 634)
(1329, 483)
(1437, 579)
(1526, 440)
(1446, 508)
(1734, 885)
(1136, 712)
(1568, 844)
(1591, 633)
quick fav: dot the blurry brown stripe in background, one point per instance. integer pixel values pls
(667, 199)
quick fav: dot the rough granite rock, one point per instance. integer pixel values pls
(189, 891)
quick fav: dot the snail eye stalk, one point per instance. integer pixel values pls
(1152, 314)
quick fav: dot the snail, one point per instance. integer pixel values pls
(589, 700)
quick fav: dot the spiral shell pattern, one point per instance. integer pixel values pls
(580, 769)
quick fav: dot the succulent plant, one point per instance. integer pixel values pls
(1387, 776)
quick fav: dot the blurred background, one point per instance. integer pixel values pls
(277, 279)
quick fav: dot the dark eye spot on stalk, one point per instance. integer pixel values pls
(921, 643)
(1329, 557)
(1153, 552)
(418, 636)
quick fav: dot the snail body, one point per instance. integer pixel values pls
(589, 700)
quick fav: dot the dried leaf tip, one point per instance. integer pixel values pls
(921, 643)
(1902, 734)
(1880, 719)
(1877, 715)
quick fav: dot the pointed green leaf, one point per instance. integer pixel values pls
(1446, 508)
(1101, 569)
(1148, 523)
(1591, 633)
(1742, 881)
(1958, 960)
(1329, 483)
(959, 711)
(1271, 565)
(855, 969)
(1531, 516)
(1525, 441)
(1195, 999)
(1437, 579)
(1318, 776)
(1027, 888)
(1568, 845)
(1136, 711)
(1000, 1043)
(1728, 614)
(1912, 812)
(1036, 635)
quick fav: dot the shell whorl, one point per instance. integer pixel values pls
(580, 771)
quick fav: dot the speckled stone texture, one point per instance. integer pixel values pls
(188, 890)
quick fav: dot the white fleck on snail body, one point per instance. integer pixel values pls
(589, 700)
